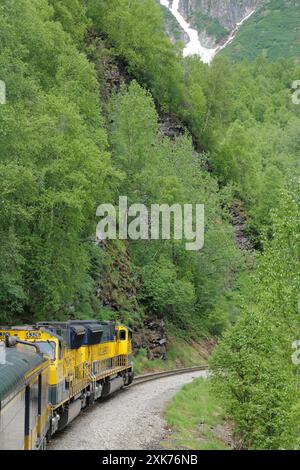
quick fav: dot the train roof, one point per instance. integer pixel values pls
(68, 323)
(17, 364)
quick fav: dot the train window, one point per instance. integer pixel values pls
(60, 350)
(40, 388)
(44, 390)
(34, 403)
(47, 348)
(122, 335)
(27, 411)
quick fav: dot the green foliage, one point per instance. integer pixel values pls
(173, 27)
(11, 286)
(252, 138)
(272, 31)
(55, 168)
(71, 14)
(53, 163)
(180, 285)
(195, 415)
(166, 294)
(136, 30)
(195, 106)
(234, 112)
(253, 369)
(181, 352)
(203, 22)
(134, 128)
(60, 158)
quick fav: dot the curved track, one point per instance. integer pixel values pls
(166, 373)
(131, 419)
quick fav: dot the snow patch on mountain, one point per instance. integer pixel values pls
(194, 45)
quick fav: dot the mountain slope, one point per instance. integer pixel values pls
(273, 31)
(227, 13)
(214, 20)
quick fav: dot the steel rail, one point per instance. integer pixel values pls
(139, 379)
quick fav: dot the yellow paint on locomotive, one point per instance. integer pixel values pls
(33, 336)
(70, 374)
(78, 367)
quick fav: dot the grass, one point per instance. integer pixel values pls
(273, 31)
(180, 354)
(197, 419)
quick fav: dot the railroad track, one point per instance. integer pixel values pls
(167, 373)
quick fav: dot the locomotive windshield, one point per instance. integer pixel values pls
(47, 347)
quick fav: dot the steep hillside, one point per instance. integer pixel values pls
(173, 28)
(215, 22)
(217, 15)
(240, 29)
(100, 105)
(273, 31)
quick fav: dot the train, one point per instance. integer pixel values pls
(51, 371)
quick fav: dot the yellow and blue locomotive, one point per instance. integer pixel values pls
(74, 364)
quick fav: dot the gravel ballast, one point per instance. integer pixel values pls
(132, 419)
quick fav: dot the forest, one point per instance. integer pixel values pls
(272, 31)
(91, 87)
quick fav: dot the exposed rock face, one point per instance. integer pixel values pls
(239, 220)
(206, 40)
(152, 337)
(227, 12)
(180, 36)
